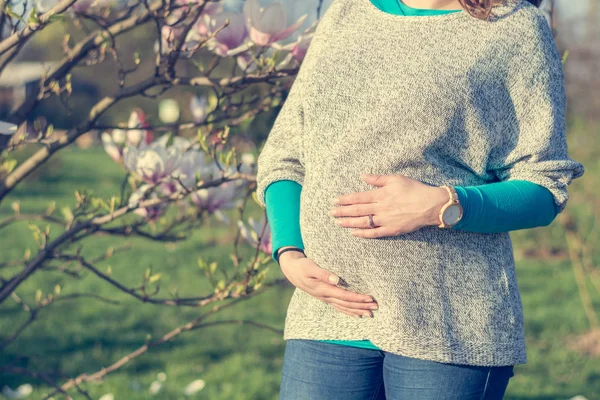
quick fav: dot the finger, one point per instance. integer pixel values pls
(350, 313)
(374, 232)
(364, 313)
(370, 196)
(351, 304)
(356, 222)
(312, 273)
(354, 210)
(327, 290)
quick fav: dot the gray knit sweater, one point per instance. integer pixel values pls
(445, 99)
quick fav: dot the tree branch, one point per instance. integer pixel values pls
(19, 38)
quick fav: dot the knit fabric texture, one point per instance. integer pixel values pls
(477, 102)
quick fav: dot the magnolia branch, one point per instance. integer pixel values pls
(51, 247)
(189, 302)
(19, 38)
(78, 53)
(33, 312)
(43, 154)
(190, 326)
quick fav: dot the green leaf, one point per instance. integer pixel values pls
(10, 12)
(49, 130)
(228, 157)
(198, 65)
(67, 214)
(202, 140)
(56, 17)
(170, 139)
(33, 17)
(154, 278)
(8, 165)
(33, 227)
(254, 235)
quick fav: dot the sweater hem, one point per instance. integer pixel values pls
(504, 353)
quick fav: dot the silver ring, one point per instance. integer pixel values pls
(371, 224)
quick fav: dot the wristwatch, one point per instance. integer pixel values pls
(451, 212)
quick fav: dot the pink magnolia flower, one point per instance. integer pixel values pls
(230, 39)
(115, 142)
(173, 32)
(246, 62)
(227, 195)
(82, 6)
(153, 163)
(191, 165)
(252, 233)
(268, 25)
(111, 144)
(138, 119)
(212, 199)
(150, 213)
(297, 50)
(210, 10)
(189, 161)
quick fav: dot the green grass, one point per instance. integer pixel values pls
(236, 361)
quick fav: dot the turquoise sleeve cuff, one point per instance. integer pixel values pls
(282, 201)
(505, 206)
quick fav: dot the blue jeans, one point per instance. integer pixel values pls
(314, 370)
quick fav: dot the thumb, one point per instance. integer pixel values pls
(324, 275)
(376, 179)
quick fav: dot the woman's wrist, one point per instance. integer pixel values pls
(437, 199)
(291, 254)
(297, 252)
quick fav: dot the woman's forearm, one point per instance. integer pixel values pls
(282, 201)
(505, 206)
(490, 208)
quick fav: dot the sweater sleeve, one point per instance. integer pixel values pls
(505, 206)
(281, 157)
(536, 149)
(282, 199)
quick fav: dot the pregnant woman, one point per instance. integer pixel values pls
(411, 142)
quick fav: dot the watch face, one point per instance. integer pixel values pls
(451, 214)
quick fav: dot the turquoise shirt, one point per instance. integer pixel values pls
(399, 8)
(495, 207)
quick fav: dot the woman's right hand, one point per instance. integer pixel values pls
(305, 274)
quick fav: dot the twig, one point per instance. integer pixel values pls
(192, 325)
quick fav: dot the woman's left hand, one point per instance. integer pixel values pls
(400, 205)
